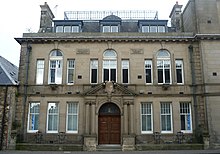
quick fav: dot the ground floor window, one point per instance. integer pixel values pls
(185, 117)
(146, 118)
(52, 117)
(166, 117)
(72, 117)
(33, 116)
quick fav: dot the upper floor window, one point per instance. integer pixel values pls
(110, 29)
(55, 71)
(40, 72)
(148, 71)
(163, 67)
(179, 71)
(109, 65)
(70, 70)
(94, 71)
(125, 71)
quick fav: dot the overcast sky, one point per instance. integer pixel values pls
(20, 16)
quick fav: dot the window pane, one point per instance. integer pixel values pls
(145, 29)
(153, 29)
(106, 75)
(167, 75)
(125, 76)
(161, 29)
(59, 29)
(67, 29)
(113, 74)
(75, 29)
(106, 28)
(114, 28)
(160, 76)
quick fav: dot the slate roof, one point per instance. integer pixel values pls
(8, 72)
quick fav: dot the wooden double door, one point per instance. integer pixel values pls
(109, 124)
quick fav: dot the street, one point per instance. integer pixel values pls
(116, 152)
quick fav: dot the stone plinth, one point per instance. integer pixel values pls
(90, 143)
(128, 143)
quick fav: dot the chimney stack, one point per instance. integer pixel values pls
(175, 16)
(46, 18)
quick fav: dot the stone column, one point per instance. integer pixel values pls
(93, 118)
(87, 121)
(131, 118)
(125, 118)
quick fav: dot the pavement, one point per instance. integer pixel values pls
(115, 152)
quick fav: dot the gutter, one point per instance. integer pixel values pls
(27, 61)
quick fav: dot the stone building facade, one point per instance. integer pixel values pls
(8, 91)
(133, 83)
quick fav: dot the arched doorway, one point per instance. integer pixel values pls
(109, 124)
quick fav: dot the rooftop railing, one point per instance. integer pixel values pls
(99, 15)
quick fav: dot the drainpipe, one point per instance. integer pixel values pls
(27, 61)
(194, 86)
(3, 118)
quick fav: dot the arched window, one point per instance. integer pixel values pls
(55, 63)
(163, 67)
(109, 65)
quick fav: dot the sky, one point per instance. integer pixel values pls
(22, 16)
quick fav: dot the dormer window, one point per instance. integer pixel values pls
(67, 26)
(110, 24)
(152, 26)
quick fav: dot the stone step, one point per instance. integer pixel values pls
(109, 147)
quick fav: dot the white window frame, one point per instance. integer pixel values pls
(146, 109)
(72, 114)
(188, 112)
(109, 62)
(40, 72)
(148, 65)
(53, 114)
(93, 66)
(58, 67)
(33, 114)
(164, 113)
(164, 60)
(180, 62)
(110, 28)
(125, 66)
(68, 70)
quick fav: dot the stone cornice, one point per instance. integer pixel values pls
(105, 37)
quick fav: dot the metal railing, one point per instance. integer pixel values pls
(98, 15)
